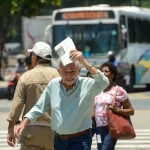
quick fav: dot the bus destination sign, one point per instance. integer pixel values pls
(83, 15)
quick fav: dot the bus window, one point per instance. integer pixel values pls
(99, 38)
(122, 20)
(145, 31)
(131, 30)
(138, 30)
(148, 31)
(123, 32)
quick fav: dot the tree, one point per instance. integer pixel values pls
(10, 16)
(12, 10)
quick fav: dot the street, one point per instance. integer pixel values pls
(140, 120)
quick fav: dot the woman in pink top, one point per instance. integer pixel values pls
(104, 99)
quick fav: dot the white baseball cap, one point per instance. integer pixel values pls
(42, 50)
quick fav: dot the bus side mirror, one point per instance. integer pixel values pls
(124, 36)
(48, 34)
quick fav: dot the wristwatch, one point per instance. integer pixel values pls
(89, 66)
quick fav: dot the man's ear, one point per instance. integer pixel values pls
(34, 61)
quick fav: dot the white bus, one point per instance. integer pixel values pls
(98, 29)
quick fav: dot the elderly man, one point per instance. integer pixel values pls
(71, 99)
(37, 135)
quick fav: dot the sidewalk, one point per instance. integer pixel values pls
(140, 95)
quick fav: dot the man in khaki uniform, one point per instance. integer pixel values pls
(37, 136)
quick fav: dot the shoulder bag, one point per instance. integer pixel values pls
(120, 127)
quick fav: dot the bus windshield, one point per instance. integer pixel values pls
(97, 38)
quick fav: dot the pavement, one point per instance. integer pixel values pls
(140, 95)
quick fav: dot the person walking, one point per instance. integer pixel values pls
(112, 58)
(71, 99)
(4, 59)
(103, 100)
(31, 84)
(28, 63)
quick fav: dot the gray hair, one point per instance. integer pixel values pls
(43, 61)
(76, 62)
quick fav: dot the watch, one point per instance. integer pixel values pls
(89, 66)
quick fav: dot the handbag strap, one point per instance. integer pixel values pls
(114, 98)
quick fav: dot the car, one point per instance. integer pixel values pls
(13, 48)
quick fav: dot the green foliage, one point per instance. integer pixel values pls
(32, 7)
(142, 3)
(12, 10)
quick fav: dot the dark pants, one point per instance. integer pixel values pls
(93, 130)
(79, 143)
(107, 143)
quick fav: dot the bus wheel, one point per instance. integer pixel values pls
(132, 80)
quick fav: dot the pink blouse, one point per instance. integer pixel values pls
(103, 100)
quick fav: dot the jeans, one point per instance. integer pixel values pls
(107, 143)
(78, 143)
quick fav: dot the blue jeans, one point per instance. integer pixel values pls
(79, 143)
(107, 143)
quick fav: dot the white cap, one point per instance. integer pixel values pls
(42, 50)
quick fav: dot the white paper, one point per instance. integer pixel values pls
(63, 50)
(98, 137)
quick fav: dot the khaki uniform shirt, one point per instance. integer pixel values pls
(29, 89)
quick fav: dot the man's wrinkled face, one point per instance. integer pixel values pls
(69, 73)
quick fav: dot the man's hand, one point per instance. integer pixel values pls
(19, 129)
(76, 55)
(11, 140)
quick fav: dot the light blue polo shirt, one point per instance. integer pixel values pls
(70, 110)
